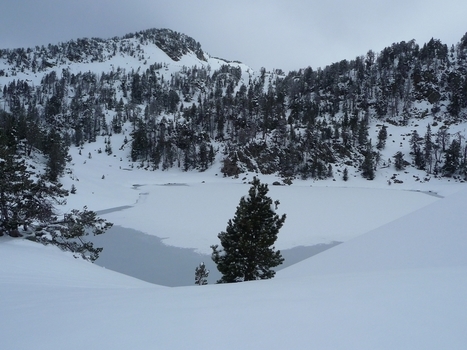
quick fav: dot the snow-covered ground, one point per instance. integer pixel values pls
(399, 280)
(188, 210)
(400, 286)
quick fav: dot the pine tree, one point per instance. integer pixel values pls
(382, 136)
(452, 158)
(247, 244)
(56, 152)
(362, 132)
(399, 162)
(428, 149)
(419, 159)
(345, 175)
(211, 155)
(139, 145)
(368, 165)
(27, 208)
(201, 275)
(18, 207)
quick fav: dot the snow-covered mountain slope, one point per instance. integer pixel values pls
(131, 53)
(183, 108)
(401, 286)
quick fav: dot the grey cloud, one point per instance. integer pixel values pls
(273, 34)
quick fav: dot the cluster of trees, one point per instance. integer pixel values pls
(440, 153)
(296, 124)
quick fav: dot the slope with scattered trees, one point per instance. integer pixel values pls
(301, 124)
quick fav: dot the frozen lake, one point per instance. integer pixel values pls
(146, 257)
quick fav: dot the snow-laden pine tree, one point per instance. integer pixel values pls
(248, 251)
(28, 208)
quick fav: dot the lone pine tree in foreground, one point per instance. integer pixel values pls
(247, 244)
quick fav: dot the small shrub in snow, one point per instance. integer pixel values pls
(201, 275)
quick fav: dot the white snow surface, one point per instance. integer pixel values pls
(400, 286)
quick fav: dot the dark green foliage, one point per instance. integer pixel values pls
(417, 153)
(452, 158)
(22, 201)
(428, 149)
(136, 90)
(8, 138)
(27, 208)
(201, 275)
(52, 108)
(230, 166)
(368, 165)
(69, 233)
(56, 152)
(399, 162)
(203, 157)
(345, 175)
(172, 101)
(247, 251)
(139, 145)
(363, 132)
(25, 198)
(382, 136)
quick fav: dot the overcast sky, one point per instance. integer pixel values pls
(286, 34)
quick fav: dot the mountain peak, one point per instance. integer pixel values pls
(174, 44)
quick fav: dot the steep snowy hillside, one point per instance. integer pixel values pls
(179, 107)
(400, 286)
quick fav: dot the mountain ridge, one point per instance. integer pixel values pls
(188, 109)
(174, 44)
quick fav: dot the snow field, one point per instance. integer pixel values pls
(402, 286)
(188, 210)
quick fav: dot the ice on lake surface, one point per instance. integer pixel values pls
(146, 257)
